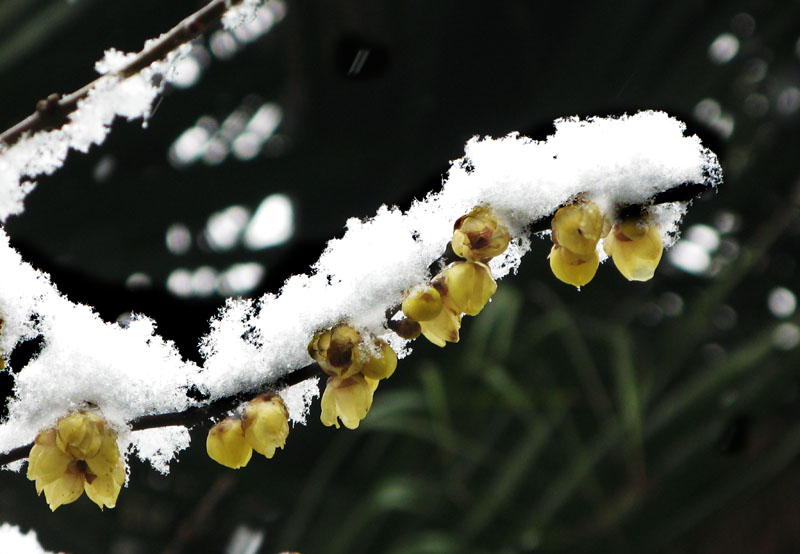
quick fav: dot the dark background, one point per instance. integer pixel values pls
(657, 417)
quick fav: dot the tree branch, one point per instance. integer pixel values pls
(54, 111)
(192, 417)
(203, 415)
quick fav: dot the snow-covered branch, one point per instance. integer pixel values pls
(127, 87)
(139, 381)
(204, 414)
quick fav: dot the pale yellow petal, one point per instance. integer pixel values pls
(68, 488)
(329, 415)
(422, 304)
(571, 268)
(469, 286)
(266, 424)
(579, 227)
(104, 490)
(107, 456)
(443, 328)
(382, 364)
(46, 461)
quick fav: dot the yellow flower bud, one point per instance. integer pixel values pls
(46, 462)
(266, 424)
(571, 268)
(382, 364)
(579, 227)
(406, 328)
(67, 488)
(444, 327)
(318, 347)
(347, 399)
(478, 236)
(422, 304)
(635, 246)
(104, 490)
(79, 434)
(226, 444)
(469, 286)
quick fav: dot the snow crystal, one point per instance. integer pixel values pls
(240, 14)
(14, 540)
(158, 446)
(297, 399)
(130, 371)
(124, 371)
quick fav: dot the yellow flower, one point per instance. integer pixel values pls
(579, 227)
(80, 454)
(337, 351)
(422, 304)
(478, 236)
(572, 268)
(635, 246)
(226, 444)
(469, 286)
(347, 399)
(382, 364)
(444, 327)
(266, 424)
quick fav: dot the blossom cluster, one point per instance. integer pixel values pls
(463, 287)
(378, 275)
(355, 367)
(634, 243)
(263, 427)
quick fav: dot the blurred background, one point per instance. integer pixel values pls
(627, 417)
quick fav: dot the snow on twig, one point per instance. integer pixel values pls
(128, 87)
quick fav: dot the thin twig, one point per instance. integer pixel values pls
(54, 111)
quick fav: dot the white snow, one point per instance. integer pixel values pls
(44, 152)
(128, 372)
(111, 96)
(14, 540)
(241, 14)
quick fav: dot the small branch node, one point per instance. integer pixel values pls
(48, 106)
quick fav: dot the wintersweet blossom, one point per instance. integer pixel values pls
(478, 236)
(347, 399)
(469, 286)
(635, 246)
(266, 424)
(130, 372)
(80, 454)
